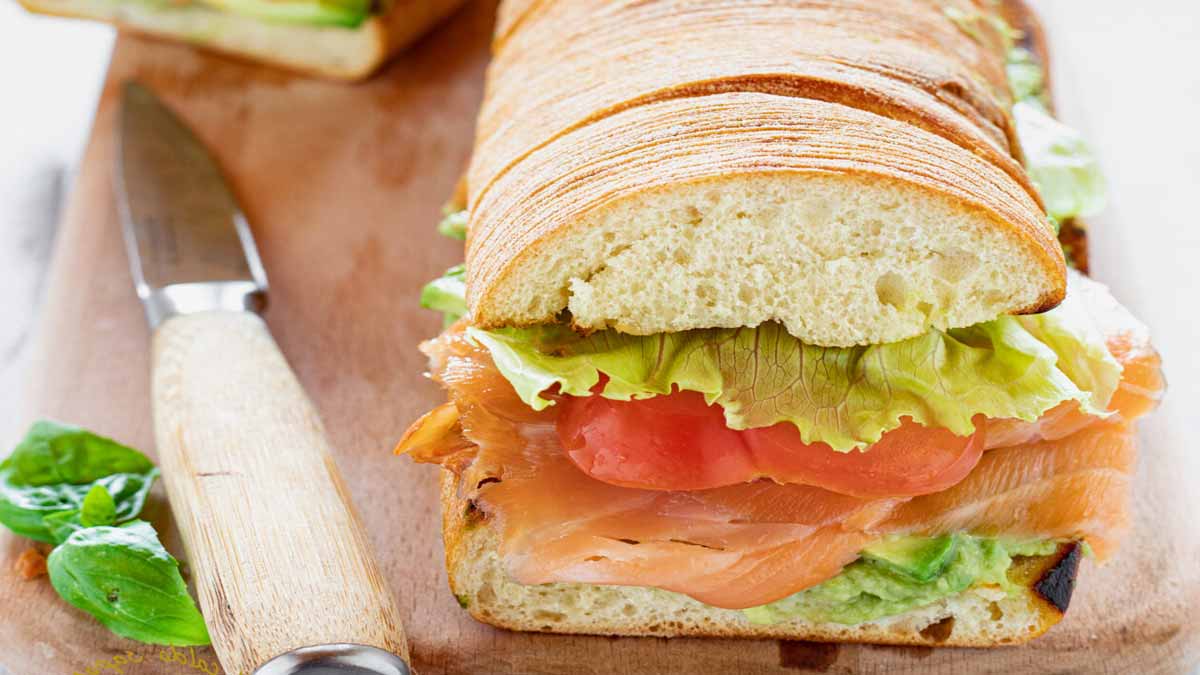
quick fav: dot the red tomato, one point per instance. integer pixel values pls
(678, 442)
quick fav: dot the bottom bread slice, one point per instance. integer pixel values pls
(978, 617)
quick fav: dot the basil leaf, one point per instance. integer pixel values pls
(126, 579)
(53, 453)
(62, 524)
(98, 508)
(56, 466)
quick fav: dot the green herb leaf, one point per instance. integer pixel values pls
(56, 466)
(126, 579)
(454, 225)
(98, 508)
(57, 453)
(447, 294)
(62, 524)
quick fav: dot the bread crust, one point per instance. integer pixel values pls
(359, 52)
(470, 542)
(897, 59)
(679, 143)
(574, 79)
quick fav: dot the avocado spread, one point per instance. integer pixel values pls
(344, 13)
(333, 13)
(887, 579)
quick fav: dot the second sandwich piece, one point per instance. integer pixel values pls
(339, 39)
(766, 332)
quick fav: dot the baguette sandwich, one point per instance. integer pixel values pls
(764, 329)
(339, 39)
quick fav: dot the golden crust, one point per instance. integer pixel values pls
(372, 43)
(468, 541)
(685, 141)
(562, 65)
(564, 69)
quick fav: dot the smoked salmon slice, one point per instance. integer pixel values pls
(750, 544)
(1072, 487)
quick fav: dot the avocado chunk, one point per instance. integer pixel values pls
(344, 13)
(917, 558)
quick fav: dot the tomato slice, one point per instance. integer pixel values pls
(678, 442)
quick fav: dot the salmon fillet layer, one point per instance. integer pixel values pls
(1066, 477)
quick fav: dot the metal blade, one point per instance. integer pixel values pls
(183, 227)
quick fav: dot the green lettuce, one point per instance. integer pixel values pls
(447, 294)
(1026, 77)
(865, 591)
(1060, 163)
(1012, 367)
(454, 225)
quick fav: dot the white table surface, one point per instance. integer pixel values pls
(51, 71)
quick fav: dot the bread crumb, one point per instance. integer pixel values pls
(31, 564)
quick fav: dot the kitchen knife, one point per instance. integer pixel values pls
(283, 568)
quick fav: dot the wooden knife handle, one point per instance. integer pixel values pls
(279, 555)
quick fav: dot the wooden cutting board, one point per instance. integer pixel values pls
(343, 185)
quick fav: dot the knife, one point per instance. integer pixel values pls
(283, 568)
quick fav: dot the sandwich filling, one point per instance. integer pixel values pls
(333, 13)
(612, 466)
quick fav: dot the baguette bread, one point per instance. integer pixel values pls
(661, 172)
(978, 617)
(324, 51)
(657, 133)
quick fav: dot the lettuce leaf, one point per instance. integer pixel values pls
(447, 294)
(1060, 163)
(1012, 367)
(1026, 77)
(454, 224)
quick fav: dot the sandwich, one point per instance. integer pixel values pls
(339, 39)
(765, 329)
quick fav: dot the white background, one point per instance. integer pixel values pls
(51, 71)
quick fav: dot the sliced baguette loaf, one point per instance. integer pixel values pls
(978, 617)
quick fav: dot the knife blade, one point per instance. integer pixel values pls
(187, 239)
(283, 568)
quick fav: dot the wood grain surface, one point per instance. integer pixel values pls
(248, 471)
(343, 186)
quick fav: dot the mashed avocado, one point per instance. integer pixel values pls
(344, 13)
(866, 590)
